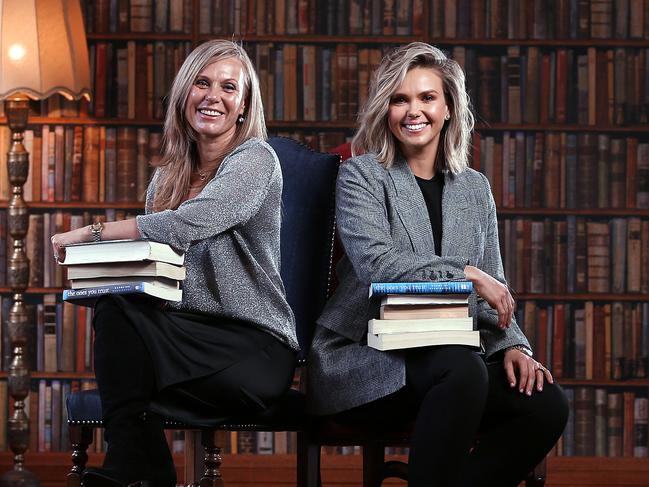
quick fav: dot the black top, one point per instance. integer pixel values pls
(432, 190)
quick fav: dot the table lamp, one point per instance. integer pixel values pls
(43, 52)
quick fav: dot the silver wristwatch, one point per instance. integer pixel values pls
(96, 229)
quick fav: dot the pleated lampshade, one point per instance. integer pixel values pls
(43, 49)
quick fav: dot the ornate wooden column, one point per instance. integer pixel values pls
(18, 278)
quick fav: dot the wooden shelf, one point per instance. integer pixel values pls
(79, 205)
(443, 42)
(343, 124)
(56, 375)
(604, 382)
(555, 127)
(140, 36)
(581, 297)
(597, 212)
(34, 290)
(346, 470)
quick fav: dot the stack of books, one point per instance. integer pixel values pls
(421, 314)
(123, 267)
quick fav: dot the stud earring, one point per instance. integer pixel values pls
(447, 117)
(240, 119)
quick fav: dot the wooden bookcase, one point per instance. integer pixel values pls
(551, 81)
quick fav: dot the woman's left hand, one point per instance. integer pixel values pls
(528, 370)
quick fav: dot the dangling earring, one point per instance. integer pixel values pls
(240, 119)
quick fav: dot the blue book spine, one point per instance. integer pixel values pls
(440, 287)
(95, 292)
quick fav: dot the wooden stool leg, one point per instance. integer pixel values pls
(373, 461)
(80, 439)
(212, 476)
(308, 461)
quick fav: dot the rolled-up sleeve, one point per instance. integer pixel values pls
(230, 199)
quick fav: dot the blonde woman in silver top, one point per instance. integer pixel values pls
(230, 345)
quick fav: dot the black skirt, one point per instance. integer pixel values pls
(186, 346)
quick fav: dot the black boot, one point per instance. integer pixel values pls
(160, 459)
(126, 382)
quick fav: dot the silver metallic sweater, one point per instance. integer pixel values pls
(231, 235)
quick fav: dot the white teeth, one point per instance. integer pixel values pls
(210, 113)
(417, 126)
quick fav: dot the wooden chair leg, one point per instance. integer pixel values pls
(80, 439)
(373, 463)
(308, 461)
(212, 476)
(536, 477)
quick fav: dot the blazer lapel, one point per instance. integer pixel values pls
(457, 217)
(411, 207)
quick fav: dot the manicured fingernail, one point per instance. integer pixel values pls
(529, 393)
(520, 390)
(512, 384)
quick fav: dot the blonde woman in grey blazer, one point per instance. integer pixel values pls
(411, 209)
(229, 346)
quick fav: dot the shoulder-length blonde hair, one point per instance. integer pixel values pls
(179, 152)
(374, 135)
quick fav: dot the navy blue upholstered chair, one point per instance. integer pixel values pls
(306, 249)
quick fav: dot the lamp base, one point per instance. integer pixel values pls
(19, 478)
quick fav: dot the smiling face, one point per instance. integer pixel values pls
(417, 113)
(216, 100)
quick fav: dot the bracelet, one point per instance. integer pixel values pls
(520, 348)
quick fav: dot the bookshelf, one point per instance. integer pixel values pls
(561, 87)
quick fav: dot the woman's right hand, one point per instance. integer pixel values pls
(493, 292)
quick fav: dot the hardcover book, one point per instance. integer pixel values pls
(438, 287)
(121, 251)
(401, 327)
(127, 269)
(393, 341)
(148, 288)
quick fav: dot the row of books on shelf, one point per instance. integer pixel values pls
(589, 341)
(84, 163)
(589, 86)
(576, 255)
(60, 336)
(539, 19)
(605, 423)
(259, 17)
(564, 169)
(464, 19)
(557, 255)
(118, 16)
(43, 270)
(104, 164)
(602, 422)
(131, 79)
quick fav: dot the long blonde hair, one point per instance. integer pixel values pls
(374, 135)
(179, 151)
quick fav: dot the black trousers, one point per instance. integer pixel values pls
(471, 427)
(127, 387)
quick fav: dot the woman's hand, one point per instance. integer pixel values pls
(61, 240)
(529, 371)
(493, 292)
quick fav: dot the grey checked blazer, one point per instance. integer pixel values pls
(386, 232)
